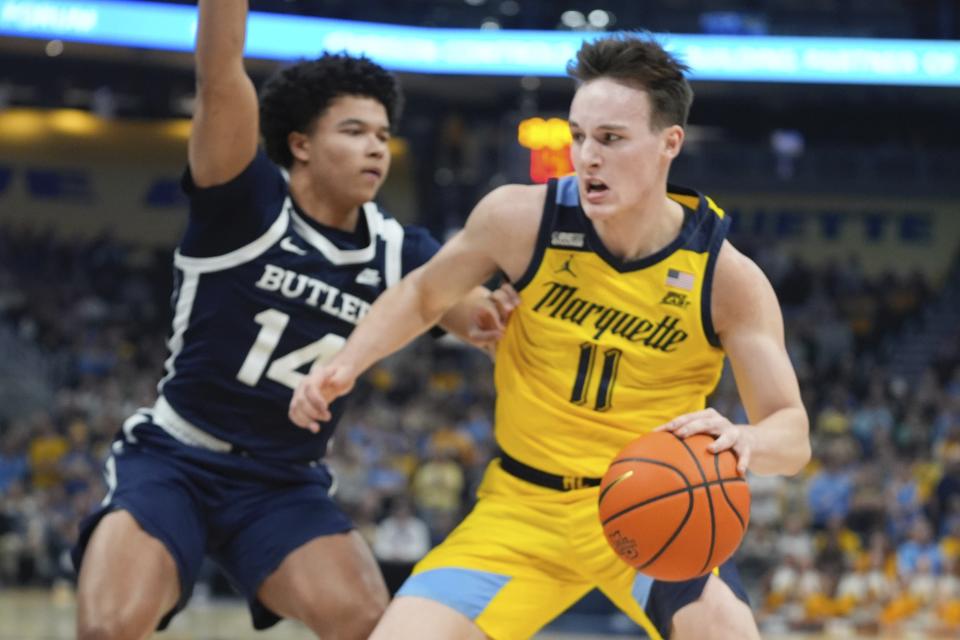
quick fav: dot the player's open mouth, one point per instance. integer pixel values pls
(372, 172)
(594, 185)
(596, 190)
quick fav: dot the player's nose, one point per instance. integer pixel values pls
(377, 148)
(589, 153)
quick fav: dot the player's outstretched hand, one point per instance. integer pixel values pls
(312, 398)
(710, 421)
(490, 320)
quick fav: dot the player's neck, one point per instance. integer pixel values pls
(637, 234)
(324, 209)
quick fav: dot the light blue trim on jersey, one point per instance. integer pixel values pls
(465, 590)
(245, 253)
(568, 192)
(642, 585)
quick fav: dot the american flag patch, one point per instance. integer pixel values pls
(680, 279)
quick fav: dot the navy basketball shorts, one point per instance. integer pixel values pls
(247, 514)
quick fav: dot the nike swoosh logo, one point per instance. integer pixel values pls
(287, 245)
(617, 481)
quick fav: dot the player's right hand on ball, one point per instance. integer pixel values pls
(312, 398)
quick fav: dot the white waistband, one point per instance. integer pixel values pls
(165, 417)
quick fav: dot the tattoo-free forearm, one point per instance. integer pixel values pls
(780, 443)
(221, 31)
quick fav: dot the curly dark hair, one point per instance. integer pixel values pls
(638, 60)
(295, 96)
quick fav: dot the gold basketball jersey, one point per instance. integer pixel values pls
(601, 350)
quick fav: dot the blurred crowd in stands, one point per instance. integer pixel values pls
(867, 535)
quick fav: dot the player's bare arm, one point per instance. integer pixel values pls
(747, 318)
(500, 234)
(224, 137)
(481, 317)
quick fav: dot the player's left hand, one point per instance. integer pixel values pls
(710, 421)
(490, 319)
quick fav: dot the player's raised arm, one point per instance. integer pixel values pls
(504, 223)
(225, 123)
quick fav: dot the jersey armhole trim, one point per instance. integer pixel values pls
(543, 234)
(706, 297)
(239, 256)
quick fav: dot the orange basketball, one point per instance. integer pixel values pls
(672, 509)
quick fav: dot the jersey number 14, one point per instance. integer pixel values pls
(283, 369)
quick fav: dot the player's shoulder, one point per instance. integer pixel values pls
(382, 220)
(512, 203)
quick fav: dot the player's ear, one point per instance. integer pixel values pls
(299, 144)
(672, 140)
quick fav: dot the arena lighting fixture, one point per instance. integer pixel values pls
(490, 52)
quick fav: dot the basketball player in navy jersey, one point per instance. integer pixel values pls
(276, 267)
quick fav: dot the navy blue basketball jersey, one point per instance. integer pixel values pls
(260, 293)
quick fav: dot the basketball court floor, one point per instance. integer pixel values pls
(40, 615)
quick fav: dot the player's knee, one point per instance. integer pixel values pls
(350, 618)
(350, 621)
(727, 621)
(362, 623)
(111, 628)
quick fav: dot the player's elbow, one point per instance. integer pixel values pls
(800, 459)
(800, 449)
(429, 302)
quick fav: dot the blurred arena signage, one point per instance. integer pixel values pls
(549, 144)
(490, 52)
(897, 234)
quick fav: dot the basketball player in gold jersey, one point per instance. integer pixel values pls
(629, 298)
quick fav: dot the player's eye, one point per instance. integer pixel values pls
(611, 137)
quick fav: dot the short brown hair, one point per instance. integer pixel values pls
(638, 60)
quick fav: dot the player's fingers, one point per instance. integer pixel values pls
(495, 316)
(723, 442)
(507, 289)
(706, 424)
(685, 419)
(316, 405)
(743, 461)
(481, 337)
(505, 302)
(507, 293)
(299, 417)
(339, 384)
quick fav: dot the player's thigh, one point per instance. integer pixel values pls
(288, 551)
(128, 580)
(405, 619)
(630, 592)
(332, 584)
(718, 614)
(138, 555)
